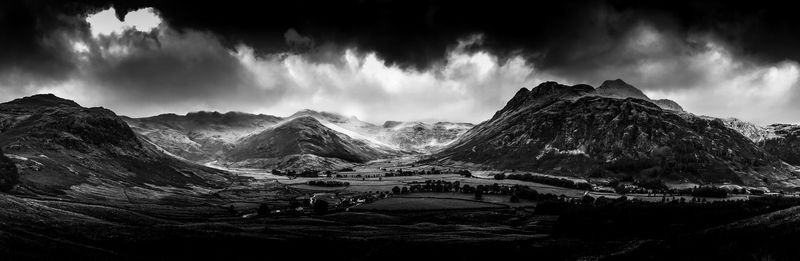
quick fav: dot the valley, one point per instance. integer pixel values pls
(561, 172)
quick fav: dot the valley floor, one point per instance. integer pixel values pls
(199, 224)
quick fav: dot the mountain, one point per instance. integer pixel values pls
(781, 140)
(422, 137)
(304, 135)
(785, 144)
(750, 130)
(573, 130)
(200, 136)
(419, 137)
(620, 89)
(61, 147)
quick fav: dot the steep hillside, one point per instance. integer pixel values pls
(568, 130)
(60, 146)
(304, 135)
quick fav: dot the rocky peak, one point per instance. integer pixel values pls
(43, 100)
(543, 94)
(620, 89)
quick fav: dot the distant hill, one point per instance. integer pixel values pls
(305, 135)
(213, 136)
(200, 136)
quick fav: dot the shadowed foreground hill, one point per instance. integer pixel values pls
(61, 146)
(569, 130)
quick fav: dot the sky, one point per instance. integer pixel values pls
(398, 60)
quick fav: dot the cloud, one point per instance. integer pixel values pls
(440, 68)
(106, 23)
(141, 73)
(35, 48)
(465, 87)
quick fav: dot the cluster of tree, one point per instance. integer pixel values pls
(554, 181)
(8, 173)
(516, 192)
(397, 190)
(305, 173)
(358, 176)
(435, 186)
(431, 171)
(707, 191)
(328, 183)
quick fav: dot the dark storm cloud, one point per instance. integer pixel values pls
(385, 56)
(164, 66)
(30, 50)
(553, 33)
(568, 36)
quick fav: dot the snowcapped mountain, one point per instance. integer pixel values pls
(60, 146)
(750, 130)
(422, 136)
(571, 130)
(350, 126)
(416, 137)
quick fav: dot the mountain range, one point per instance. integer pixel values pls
(612, 131)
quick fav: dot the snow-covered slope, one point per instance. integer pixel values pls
(417, 137)
(422, 136)
(750, 130)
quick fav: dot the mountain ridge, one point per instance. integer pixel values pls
(568, 130)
